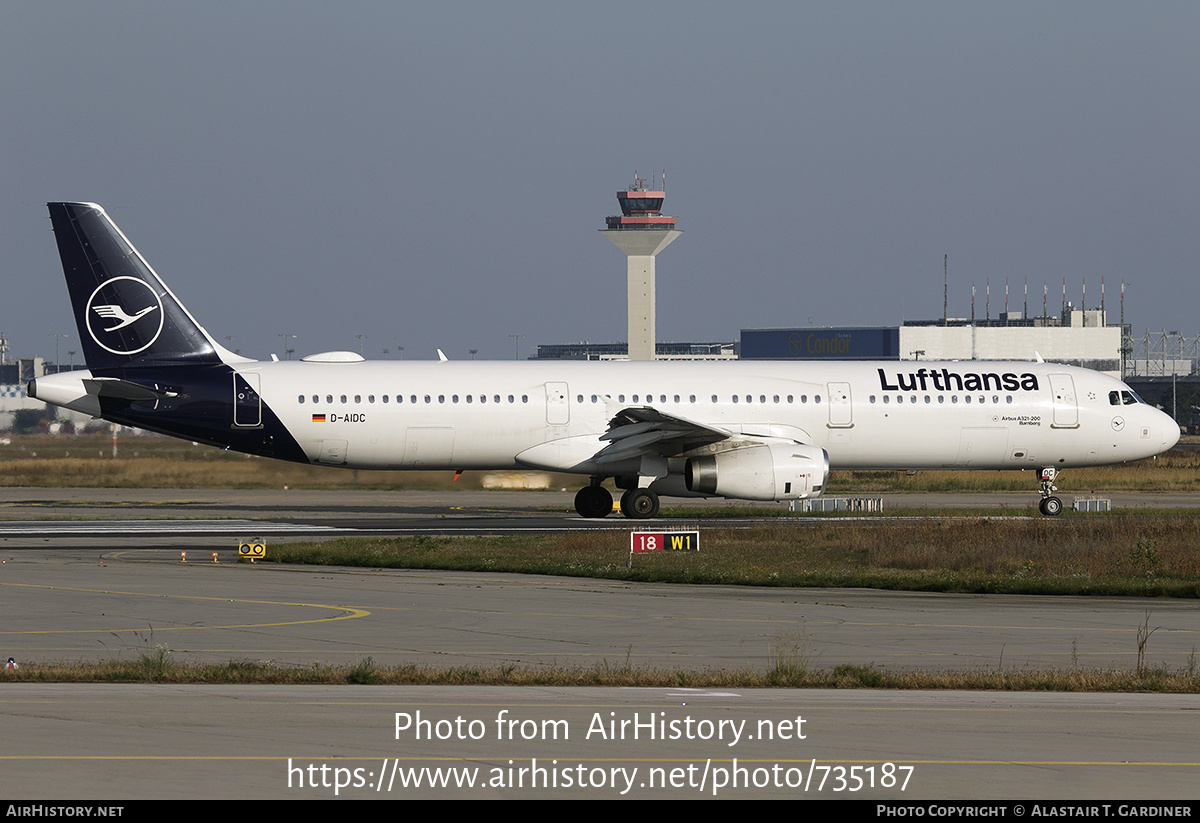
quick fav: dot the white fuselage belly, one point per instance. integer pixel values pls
(470, 415)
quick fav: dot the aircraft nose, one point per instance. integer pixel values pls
(1170, 431)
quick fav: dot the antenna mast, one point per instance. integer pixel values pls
(946, 290)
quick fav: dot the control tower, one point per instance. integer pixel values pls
(641, 231)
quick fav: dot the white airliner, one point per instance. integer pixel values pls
(742, 430)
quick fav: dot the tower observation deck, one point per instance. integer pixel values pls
(641, 231)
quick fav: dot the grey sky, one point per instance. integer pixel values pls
(435, 174)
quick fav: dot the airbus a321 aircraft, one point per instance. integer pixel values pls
(742, 430)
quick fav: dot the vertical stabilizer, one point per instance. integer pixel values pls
(125, 314)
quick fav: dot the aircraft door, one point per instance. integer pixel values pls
(1066, 409)
(247, 403)
(841, 409)
(558, 404)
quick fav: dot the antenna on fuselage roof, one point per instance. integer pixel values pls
(442, 356)
(1038, 357)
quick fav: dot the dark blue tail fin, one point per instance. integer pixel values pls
(125, 314)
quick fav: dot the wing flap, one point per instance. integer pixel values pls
(637, 432)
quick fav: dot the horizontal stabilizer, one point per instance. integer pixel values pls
(123, 389)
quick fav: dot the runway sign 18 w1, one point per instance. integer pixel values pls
(640, 542)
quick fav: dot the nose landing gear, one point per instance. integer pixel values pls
(1050, 504)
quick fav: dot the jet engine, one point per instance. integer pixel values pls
(772, 471)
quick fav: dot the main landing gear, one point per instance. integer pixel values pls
(639, 504)
(1050, 504)
(593, 501)
(596, 501)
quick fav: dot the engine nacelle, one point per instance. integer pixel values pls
(773, 471)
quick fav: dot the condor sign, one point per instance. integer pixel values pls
(821, 344)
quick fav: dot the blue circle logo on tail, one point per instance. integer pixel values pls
(124, 315)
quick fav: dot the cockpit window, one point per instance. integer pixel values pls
(1123, 398)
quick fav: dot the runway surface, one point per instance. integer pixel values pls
(72, 592)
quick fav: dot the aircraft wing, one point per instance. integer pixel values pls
(635, 432)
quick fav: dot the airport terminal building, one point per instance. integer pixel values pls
(1078, 338)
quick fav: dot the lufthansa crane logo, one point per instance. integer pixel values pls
(124, 315)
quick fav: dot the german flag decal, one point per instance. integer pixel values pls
(318, 418)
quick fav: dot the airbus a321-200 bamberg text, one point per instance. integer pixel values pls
(740, 430)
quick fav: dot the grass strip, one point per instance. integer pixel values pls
(1116, 555)
(783, 672)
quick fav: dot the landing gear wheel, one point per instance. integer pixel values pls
(1051, 506)
(593, 501)
(639, 504)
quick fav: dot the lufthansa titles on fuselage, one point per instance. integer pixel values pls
(946, 380)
